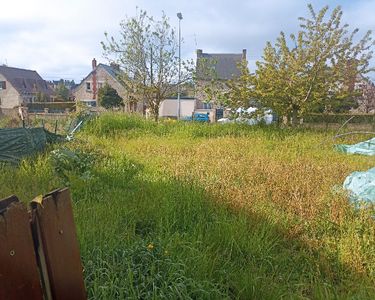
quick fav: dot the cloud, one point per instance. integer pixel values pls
(59, 38)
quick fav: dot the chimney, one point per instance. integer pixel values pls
(244, 54)
(94, 64)
(94, 79)
(199, 52)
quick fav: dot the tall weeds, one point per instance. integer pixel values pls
(206, 211)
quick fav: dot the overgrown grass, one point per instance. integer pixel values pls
(9, 122)
(194, 211)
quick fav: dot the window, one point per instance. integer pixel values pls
(206, 105)
(89, 103)
(88, 86)
(2, 85)
(100, 85)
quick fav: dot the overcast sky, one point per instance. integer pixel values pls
(59, 38)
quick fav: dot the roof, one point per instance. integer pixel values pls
(225, 65)
(110, 70)
(113, 72)
(25, 81)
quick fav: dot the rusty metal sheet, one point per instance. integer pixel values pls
(61, 266)
(19, 276)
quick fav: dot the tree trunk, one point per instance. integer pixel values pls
(294, 119)
(156, 117)
(155, 112)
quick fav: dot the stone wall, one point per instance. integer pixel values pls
(9, 98)
(201, 96)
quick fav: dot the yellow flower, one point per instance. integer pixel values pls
(150, 246)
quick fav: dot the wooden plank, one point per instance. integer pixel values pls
(19, 276)
(54, 227)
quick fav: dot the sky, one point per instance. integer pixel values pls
(59, 39)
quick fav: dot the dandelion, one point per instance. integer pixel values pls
(150, 246)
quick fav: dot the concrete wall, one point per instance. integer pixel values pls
(169, 107)
(9, 98)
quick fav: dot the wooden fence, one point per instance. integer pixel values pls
(39, 252)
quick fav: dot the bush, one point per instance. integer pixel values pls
(340, 118)
(109, 98)
(66, 162)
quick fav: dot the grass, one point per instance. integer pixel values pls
(176, 210)
(61, 124)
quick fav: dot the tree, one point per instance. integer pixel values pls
(147, 54)
(109, 98)
(208, 87)
(41, 97)
(240, 90)
(62, 92)
(317, 67)
(366, 99)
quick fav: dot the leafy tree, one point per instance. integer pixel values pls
(62, 92)
(317, 67)
(208, 86)
(147, 54)
(41, 97)
(108, 97)
(240, 91)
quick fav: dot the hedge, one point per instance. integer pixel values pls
(53, 107)
(339, 118)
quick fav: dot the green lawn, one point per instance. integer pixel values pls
(195, 211)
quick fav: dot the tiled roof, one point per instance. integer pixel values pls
(111, 71)
(225, 65)
(25, 81)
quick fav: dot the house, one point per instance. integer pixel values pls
(87, 90)
(20, 87)
(213, 71)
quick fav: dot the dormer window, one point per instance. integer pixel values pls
(2, 85)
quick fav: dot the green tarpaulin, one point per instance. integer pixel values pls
(17, 143)
(364, 148)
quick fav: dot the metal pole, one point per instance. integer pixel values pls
(179, 15)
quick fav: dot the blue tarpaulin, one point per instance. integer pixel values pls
(364, 148)
(361, 185)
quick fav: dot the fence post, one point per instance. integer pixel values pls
(58, 248)
(19, 276)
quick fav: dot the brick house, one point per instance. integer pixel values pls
(20, 87)
(87, 90)
(214, 70)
